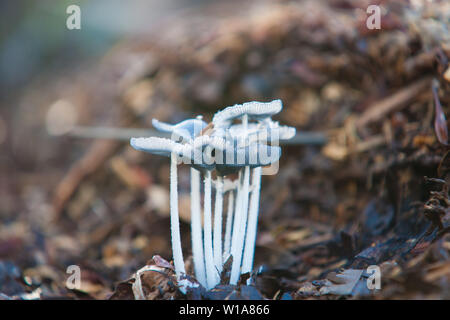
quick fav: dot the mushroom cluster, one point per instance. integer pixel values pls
(240, 139)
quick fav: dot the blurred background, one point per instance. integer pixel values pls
(69, 197)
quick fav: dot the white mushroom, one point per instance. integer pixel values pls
(226, 147)
(170, 148)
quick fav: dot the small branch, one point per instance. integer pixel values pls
(124, 134)
(301, 138)
(93, 159)
(392, 103)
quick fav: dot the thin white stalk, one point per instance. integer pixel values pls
(237, 218)
(218, 224)
(211, 273)
(249, 252)
(174, 219)
(240, 228)
(196, 228)
(228, 228)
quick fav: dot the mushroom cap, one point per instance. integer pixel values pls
(230, 156)
(154, 145)
(255, 111)
(229, 147)
(165, 147)
(187, 129)
(223, 156)
(259, 131)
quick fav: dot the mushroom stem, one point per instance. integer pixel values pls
(218, 224)
(237, 245)
(237, 217)
(196, 228)
(174, 219)
(227, 244)
(247, 263)
(211, 274)
(239, 227)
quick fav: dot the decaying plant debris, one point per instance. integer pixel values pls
(375, 194)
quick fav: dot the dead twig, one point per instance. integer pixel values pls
(301, 138)
(97, 154)
(392, 103)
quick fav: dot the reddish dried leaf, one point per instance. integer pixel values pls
(160, 262)
(440, 123)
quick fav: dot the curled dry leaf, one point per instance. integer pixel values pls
(160, 262)
(440, 123)
(341, 284)
(152, 282)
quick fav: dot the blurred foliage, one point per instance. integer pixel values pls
(34, 37)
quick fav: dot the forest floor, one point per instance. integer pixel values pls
(372, 191)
